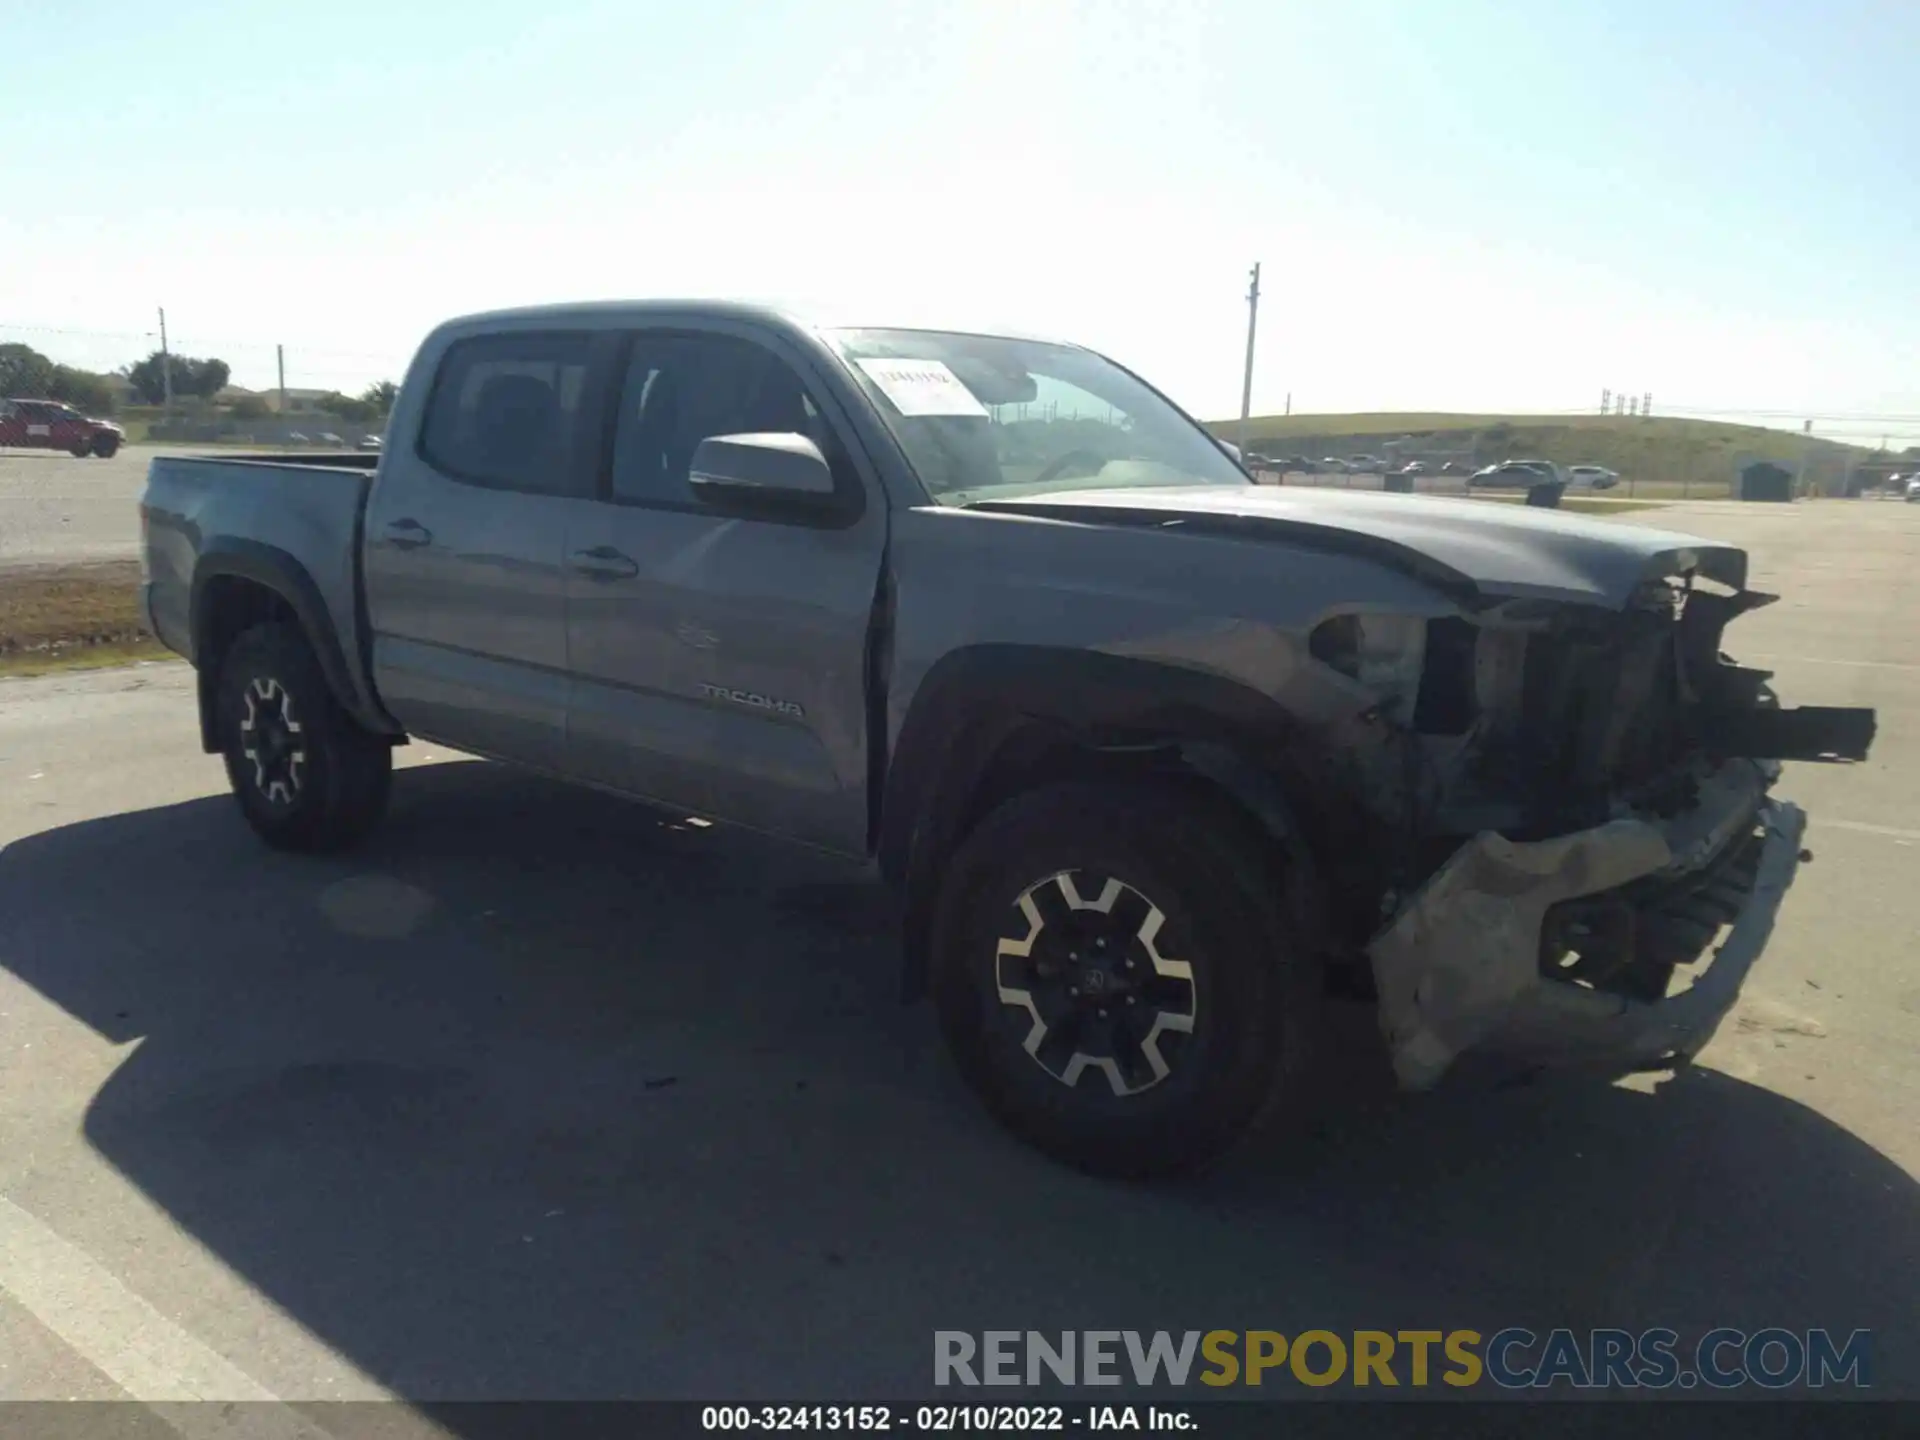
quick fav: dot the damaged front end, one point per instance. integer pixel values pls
(1561, 806)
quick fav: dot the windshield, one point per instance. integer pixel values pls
(987, 417)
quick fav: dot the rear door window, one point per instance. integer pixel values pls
(507, 410)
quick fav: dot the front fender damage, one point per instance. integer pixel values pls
(1459, 965)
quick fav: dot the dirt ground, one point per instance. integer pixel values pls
(50, 612)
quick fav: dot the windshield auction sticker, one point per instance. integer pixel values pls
(922, 387)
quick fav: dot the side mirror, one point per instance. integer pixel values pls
(780, 473)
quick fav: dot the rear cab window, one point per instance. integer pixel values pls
(506, 412)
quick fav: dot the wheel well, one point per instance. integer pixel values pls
(1033, 754)
(225, 609)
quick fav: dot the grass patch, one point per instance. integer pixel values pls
(55, 617)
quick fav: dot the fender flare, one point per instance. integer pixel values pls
(279, 571)
(974, 699)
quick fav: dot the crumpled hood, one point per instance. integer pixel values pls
(1497, 550)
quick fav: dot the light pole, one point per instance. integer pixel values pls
(1246, 378)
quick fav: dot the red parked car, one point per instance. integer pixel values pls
(51, 425)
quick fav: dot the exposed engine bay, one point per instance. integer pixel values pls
(1557, 806)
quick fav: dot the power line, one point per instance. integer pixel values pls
(1816, 416)
(196, 341)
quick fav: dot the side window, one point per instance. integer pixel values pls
(505, 411)
(682, 389)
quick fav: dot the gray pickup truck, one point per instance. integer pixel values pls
(1156, 758)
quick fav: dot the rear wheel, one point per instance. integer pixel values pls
(1115, 976)
(305, 774)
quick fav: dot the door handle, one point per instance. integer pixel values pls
(408, 534)
(603, 563)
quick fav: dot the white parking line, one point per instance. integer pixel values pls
(1890, 831)
(1829, 660)
(127, 1340)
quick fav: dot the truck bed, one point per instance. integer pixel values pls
(291, 514)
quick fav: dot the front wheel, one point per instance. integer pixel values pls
(1115, 975)
(305, 774)
(105, 447)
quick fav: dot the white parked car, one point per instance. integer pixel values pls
(1913, 488)
(1592, 477)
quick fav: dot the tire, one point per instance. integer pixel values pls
(1147, 1096)
(106, 448)
(307, 777)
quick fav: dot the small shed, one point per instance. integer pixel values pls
(1764, 480)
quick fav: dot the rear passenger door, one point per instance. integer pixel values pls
(465, 541)
(36, 425)
(719, 661)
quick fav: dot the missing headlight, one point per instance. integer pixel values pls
(1382, 652)
(1447, 704)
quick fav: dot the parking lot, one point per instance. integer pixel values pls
(547, 1095)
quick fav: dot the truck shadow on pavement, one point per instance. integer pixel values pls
(545, 1095)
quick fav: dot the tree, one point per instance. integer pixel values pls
(208, 377)
(381, 395)
(346, 407)
(24, 372)
(81, 389)
(203, 378)
(250, 407)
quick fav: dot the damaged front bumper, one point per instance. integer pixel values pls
(1459, 967)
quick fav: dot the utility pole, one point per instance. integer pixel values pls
(1290, 403)
(166, 368)
(280, 360)
(1246, 379)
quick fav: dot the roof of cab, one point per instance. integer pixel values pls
(603, 312)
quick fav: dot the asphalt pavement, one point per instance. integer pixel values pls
(547, 1095)
(56, 509)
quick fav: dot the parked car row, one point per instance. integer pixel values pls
(332, 441)
(1515, 473)
(1528, 473)
(1326, 465)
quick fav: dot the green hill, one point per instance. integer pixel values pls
(1659, 454)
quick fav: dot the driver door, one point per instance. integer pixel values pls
(720, 662)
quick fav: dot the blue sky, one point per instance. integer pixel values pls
(1458, 205)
